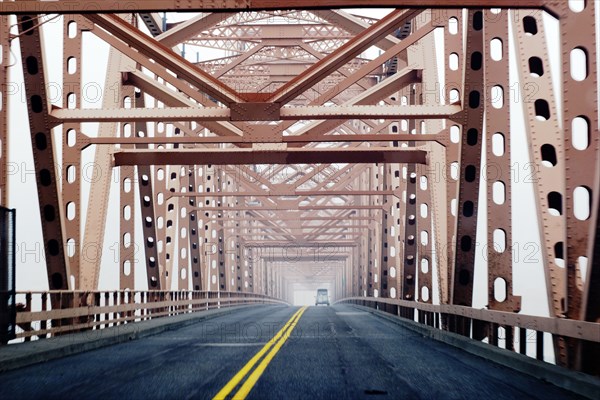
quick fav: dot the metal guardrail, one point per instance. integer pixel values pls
(49, 313)
(514, 330)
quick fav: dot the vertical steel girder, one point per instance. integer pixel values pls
(127, 179)
(409, 260)
(51, 210)
(546, 152)
(498, 164)
(71, 154)
(582, 151)
(93, 236)
(5, 44)
(453, 45)
(473, 95)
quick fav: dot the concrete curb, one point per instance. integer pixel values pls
(29, 353)
(576, 382)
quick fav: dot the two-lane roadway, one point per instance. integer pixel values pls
(337, 352)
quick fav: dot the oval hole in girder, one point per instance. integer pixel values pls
(424, 238)
(470, 173)
(71, 101)
(71, 137)
(71, 247)
(32, 66)
(40, 141)
(45, 177)
(499, 237)
(548, 153)
(472, 136)
(127, 240)
(127, 213)
(579, 64)
(580, 133)
(476, 61)
(454, 134)
(555, 203)
(71, 174)
(71, 211)
(499, 192)
(27, 26)
(478, 20)
(475, 99)
(454, 171)
(582, 203)
(542, 110)
(466, 243)
(425, 293)
(71, 65)
(496, 49)
(498, 144)
(424, 265)
(530, 25)
(497, 96)
(536, 67)
(37, 105)
(392, 272)
(127, 185)
(454, 96)
(499, 290)
(453, 61)
(577, 6)
(453, 26)
(126, 267)
(468, 208)
(72, 29)
(49, 213)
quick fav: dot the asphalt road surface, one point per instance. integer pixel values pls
(336, 352)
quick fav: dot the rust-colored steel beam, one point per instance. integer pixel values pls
(164, 55)
(474, 95)
(249, 156)
(440, 138)
(246, 112)
(111, 6)
(498, 166)
(4, 80)
(295, 193)
(51, 208)
(342, 55)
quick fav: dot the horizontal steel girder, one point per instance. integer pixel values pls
(400, 137)
(113, 6)
(286, 156)
(181, 114)
(295, 193)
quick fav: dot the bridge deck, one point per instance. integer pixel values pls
(333, 352)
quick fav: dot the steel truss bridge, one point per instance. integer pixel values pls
(261, 150)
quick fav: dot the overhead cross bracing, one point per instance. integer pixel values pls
(367, 139)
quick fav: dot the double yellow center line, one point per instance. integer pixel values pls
(274, 345)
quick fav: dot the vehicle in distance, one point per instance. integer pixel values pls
(322, 297)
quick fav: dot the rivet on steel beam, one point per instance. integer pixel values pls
(411, 219)
(411, 239)
(412, 198)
